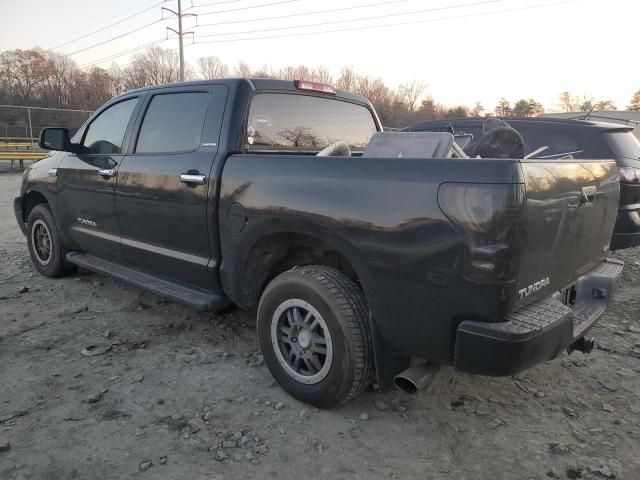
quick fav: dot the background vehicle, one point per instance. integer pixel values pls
(580, 139)
(269, 194)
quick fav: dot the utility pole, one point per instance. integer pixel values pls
(180, 34)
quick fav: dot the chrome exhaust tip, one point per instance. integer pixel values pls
(416, 378)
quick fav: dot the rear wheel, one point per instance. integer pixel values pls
(314, 334)
(44, 243)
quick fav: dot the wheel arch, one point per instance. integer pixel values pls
(30, 199)
(274, 251)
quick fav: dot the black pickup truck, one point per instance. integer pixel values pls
(367, 256)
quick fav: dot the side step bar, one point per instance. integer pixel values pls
(197, 299)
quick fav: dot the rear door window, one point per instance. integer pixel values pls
(561, 141)
(173, 123)
(294, 122)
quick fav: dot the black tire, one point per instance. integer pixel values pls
(342, 308)
(41, 225)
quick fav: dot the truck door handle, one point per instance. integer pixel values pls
(193, 179)
(107, 172)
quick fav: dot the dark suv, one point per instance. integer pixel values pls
(580, 139)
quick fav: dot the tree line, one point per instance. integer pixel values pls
(43, 78)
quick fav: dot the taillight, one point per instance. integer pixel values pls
(491, 217)
(314, 87)
(629, 175)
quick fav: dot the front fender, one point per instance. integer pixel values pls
(38, 180)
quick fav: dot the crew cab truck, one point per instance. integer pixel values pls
(364, 263)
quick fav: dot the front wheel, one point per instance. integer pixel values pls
(314, 335)
(44, 243)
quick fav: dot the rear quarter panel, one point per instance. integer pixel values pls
(383, 215)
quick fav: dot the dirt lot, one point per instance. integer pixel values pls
(173, 393)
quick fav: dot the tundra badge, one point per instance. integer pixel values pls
(84, 221)
(534, 287)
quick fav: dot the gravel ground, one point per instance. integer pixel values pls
(173, 393)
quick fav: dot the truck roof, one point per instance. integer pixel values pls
(557, 121)
(256, 84)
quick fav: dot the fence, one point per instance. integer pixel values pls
(20, 128)
(19, 121)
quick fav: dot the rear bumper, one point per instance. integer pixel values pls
(17, 208)
(538, 332)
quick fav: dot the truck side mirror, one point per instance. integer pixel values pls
(55, 139)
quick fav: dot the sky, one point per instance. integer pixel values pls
(464, 50)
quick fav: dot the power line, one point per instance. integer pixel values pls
(375, 17)
(304, 14)
(366, 27)
(108, 26)
(87, 27)
(120, 54)
(179, 32)
(132, 62)
(252, 7)
(214, 3)
(116, 37)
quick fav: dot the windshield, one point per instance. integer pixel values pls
(280, 121)
(624, 144)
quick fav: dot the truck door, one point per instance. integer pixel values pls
(164, 185)
(86, 181)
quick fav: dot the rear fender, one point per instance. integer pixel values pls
(244, 280)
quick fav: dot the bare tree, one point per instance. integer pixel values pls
(287, 73)
(347, 79)
(153, 67)
(535, 108)
(303, 72)
(22, 72)
(412, 92)
(608, 105)
(459, 111)
(477, 110)
(635, 102)
(567, 102)
(300, 137)
(56, 87)
(263, 72)
(322, 75)
(584, 103)
(503, 109)
(91, 89)
(35, 77)
(242, 70)
(212, 67)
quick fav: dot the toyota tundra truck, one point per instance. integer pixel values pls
(368, 258)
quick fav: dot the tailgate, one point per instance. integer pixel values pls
(571, 209)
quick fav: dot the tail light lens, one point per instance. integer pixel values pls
(491, 217)
(629, 175)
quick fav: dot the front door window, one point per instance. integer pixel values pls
(105, 134)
